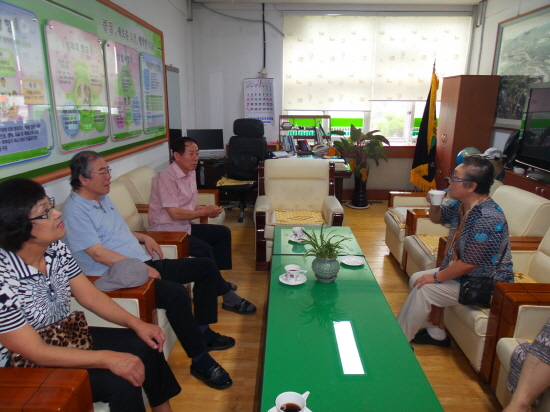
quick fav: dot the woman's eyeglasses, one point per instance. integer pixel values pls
(458, 179)
(46, 213)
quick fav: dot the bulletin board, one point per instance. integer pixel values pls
(76, 75)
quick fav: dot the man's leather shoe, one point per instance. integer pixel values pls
(211, 375)
(425, 339)
(222, 343)
(242, 308)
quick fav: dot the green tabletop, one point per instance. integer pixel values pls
(302, 353)
(282, 245)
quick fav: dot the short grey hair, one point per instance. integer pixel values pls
(81, 165)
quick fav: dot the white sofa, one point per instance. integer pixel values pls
(530, 321)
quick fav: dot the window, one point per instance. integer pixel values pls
(342, 63)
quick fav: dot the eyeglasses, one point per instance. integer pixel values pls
(458, 179)
(104, 172)
(46, 214)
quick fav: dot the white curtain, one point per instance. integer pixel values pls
(343, 62)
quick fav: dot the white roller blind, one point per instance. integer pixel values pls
(343, 62)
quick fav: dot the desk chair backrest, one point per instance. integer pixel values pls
(297, 184)
(246, 149)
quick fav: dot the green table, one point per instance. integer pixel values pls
(282, 245)
(302, 354)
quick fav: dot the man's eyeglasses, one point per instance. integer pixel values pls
(104, 172)
(46, 213)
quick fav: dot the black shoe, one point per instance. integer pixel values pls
(421, 333)
(244, 307)
(232, 286)
(211, 376)
(222, 343)
(426, 339)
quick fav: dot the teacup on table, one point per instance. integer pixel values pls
(293, 272)
(291, 402)
(298, 232)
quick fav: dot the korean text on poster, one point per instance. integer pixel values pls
(25, 126)
(152, 84)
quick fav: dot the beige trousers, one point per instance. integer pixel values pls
(414, 313)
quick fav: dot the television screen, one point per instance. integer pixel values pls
(207, 139)
(534, 150)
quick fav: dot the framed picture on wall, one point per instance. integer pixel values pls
(521, 58)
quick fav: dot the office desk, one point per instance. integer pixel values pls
(283, 246)
(301, 351)
(207, 177)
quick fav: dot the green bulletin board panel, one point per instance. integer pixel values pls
(108, 24)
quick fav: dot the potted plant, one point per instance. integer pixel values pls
(325, 248)
(358, 148)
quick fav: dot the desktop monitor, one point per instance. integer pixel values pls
(210, 141)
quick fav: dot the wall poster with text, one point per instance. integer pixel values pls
(78, 84)
(152, 84)
(122, 66)
(25, 125)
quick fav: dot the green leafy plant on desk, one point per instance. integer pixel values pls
(358, 148)
(325, 248)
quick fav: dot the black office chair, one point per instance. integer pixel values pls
(246, 149)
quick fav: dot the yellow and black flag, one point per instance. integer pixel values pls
(423, 167)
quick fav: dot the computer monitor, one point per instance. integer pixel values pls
(210, 141)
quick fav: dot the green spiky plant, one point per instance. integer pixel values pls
(324, 246)
(360, 147)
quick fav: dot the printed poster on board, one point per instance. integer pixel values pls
(152, 84)
(25, 125)
(78, 86)
(122, 65)
(258, 100)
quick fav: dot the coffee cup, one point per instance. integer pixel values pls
(298, 232)
(291, 401)
(293, 272)
(436, 197)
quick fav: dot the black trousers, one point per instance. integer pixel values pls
(211, 241)
(160, 384)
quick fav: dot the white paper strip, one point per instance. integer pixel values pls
(349, 355)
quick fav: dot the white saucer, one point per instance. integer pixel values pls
(297, 239)
(353, 260)
(274, 409)
(301, 279)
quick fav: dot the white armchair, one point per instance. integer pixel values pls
(530, 321)
(292, 185)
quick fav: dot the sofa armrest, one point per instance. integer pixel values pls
(39, 389)
(261, 210)
(178, 239)
(333, 213)
(263, 204)
(144, 294)
(407, 199)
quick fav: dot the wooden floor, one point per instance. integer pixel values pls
(451, 376)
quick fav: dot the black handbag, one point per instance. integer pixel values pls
(476, 290)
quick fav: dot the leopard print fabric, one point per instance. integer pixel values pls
(71, 332)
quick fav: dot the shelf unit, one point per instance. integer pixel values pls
(305, 122)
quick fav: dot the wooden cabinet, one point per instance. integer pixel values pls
(466, 119)
(523, 182)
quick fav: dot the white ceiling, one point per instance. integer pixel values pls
(377, 2)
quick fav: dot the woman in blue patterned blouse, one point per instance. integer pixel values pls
(478, 245)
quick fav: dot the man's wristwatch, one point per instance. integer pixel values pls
(435, 278)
